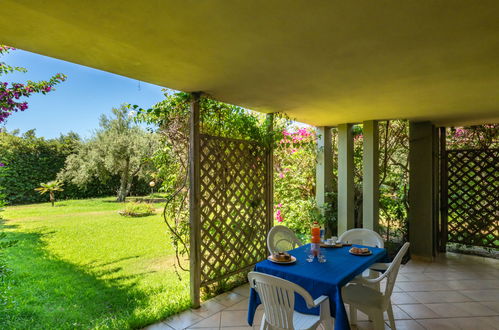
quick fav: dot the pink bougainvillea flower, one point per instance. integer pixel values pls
(278, 216)
(281, 175)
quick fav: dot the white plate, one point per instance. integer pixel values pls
(293, 259)
(361, 254)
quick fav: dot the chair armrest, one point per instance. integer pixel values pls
(359, 279)
(379, 267)
(320, 300)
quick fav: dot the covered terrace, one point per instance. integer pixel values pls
(327, 64)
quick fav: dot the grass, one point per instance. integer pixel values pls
(82, 265)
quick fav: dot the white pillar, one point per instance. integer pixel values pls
(345, 178)
(370, 176)
(324, 169)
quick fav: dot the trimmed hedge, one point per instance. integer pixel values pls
(30, 160)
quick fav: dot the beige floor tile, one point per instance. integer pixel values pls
(475, 309)
(229, 298)
(240, 306)
(438, 296)
(158, 326)
(450, 276)
(482, 295)
(492, 305)
(476, 323)
(183, 320)
(209, 322)
(243, 290)
(438, 324)
(473, 284)
(396, 288)
(418, 311)
(407, 325)
(448, 310)
(237, 328)
(234, 318)
(400, 298)
(398, 314)
(416, 277)
(423, 286)
(208, 308)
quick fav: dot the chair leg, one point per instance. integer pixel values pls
(264, 324)
(353, 315)
(379, 324)
(327, 324)
(390, 316)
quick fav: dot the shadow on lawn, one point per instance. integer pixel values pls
(51, 293)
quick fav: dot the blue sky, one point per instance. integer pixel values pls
(77, 103)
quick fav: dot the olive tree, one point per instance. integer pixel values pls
(119, 147)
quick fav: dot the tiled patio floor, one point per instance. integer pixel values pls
(455, 292)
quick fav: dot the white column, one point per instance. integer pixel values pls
(345, 178)
(324, 169)
(370, 176)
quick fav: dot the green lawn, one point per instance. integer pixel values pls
(82, 265)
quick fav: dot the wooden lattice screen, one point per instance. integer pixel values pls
(233, 207)
(473, 197)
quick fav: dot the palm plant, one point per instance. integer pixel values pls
(50, 187)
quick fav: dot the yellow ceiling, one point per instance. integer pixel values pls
(323, 62)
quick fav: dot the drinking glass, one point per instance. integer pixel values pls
(321, 257)
(310, 254)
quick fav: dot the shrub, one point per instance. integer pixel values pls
(137, 210)
(28, 160)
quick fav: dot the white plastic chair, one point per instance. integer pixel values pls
(278, 298)
(371, 301)
(364, 236)
(281, 239)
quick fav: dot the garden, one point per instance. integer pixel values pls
(81, 264)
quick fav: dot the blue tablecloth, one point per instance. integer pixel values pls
(319, 278)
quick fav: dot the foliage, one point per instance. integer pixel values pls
(5, 297)
(29, 160)
(171, 117)
(50, 187)
(394, 179)
(137, 210)
(86, 267)
(294, 180)
(10, 94)
(473, 137)
(118, 148)
(294, 191)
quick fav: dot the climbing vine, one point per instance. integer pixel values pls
(170, 117)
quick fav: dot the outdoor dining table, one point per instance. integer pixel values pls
(319, 278)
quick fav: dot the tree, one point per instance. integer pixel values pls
(10, 94)
(119, 147)
(50, 188)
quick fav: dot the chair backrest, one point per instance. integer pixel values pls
(362, 236)
(278, 298)
(393, 270)
(281, 239)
